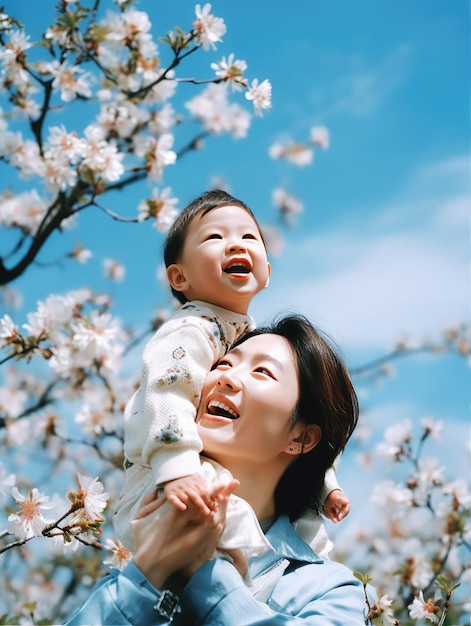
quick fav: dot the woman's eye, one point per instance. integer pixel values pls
(264, 370)
(222, 365)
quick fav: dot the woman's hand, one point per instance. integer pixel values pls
(180, 541)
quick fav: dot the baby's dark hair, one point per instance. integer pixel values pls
(175, 240)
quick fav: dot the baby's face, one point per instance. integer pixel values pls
(224, 260)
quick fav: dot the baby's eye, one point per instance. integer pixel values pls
(214, 236)
(248, 236)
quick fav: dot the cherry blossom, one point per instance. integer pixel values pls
(230, 70)
(157, 152)
(297, 154)
(94, 337)
(81, 254)
(114, 270)
(11, 58)
(161, 206)
(392, 495)
(260, 94)
(92, 496)
(419, 609)
(29, 522)
(287, 204)
(120, 555)
(8, 330)
(217, 115)
(70, 81)
(384, 606)
(163, 120)
(320, 136)
(101, 156)
(209, 29)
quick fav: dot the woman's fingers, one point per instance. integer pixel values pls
(151, 503)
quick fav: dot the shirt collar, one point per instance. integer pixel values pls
(287, 544)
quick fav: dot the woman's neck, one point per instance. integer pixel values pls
(257, 486)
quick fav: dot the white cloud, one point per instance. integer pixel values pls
(363, 87)
(405, 272)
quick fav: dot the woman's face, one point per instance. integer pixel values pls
(247, 401)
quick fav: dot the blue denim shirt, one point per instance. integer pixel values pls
(310, 591)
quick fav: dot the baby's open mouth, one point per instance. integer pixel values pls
(238, 266)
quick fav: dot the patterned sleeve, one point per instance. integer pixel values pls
(160, 429)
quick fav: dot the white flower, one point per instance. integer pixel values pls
(163, 120)
(63, 145)
(419, 609)
(387, 617)
(320, 136)
(260, 95)
(29, 521)
(213, 109)
(287, 204)
(27, 158)
(27, 108)
(7, 481)
(55, 310)
(71, 81)
(57, 173)
(8, 329)
(93, 496)
(395, 497)
(209, 29)
(100, 156)
(163, 90)
(95, 337)
(10, 54)
(230, 70)
(295, 153)
(157, 152)
(429, 472)
(120, 555)
(432, 427)
(96, 420)
(114, 270)
(81, 254)
(126, 27)
(460, 491)
(121, 118)
(12, 404)
(161, 206)
(26, 210)
(395, 438)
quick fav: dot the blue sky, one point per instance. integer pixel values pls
(381, 250)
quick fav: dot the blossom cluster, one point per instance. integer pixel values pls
(425, 536)
(116, 64)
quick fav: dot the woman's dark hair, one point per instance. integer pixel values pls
(175, 239)
(327, 398)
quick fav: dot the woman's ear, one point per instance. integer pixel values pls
(176, 277)
(269, 273)
(308, 439)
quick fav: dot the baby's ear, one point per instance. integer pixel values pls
(176, 277)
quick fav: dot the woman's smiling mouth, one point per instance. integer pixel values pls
(222, 409)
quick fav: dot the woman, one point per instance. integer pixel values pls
(276, 412)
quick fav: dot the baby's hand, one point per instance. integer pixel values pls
(194, 488)
(336, 506)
